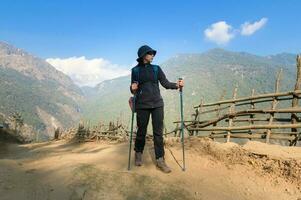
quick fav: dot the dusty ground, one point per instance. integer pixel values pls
(62, 170)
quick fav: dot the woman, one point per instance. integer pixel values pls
(145, 80)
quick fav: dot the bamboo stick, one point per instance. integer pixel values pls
(237, 136)
(195, 121)
(261, 119)
(254, 137)
(214, 110)
(261, 96)
(248, 132)
(245, 103)
(257, 126)
(263, 101)
(225, 132)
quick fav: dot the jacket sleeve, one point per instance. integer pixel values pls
(132, 81)
(164, 82)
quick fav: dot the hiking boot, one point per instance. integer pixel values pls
(162, 165)
(138, 158)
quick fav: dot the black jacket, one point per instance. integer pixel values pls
(148, 93)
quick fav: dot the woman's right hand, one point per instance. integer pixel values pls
(134, 86)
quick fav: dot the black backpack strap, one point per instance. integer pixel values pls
(136, 73)
(156, 68)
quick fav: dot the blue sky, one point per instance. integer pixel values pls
(113, 30)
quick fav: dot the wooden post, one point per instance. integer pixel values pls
(252, 107)
(218, 109)
(199, 110)
(295, 100)
(197, 113)
(273, 107)
(176, 130)
(219, 105)
(231, 110)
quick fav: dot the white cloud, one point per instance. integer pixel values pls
(219, 32)
(248, 28)
(88, 72)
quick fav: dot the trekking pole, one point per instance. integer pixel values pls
(131, 135)
(182, 124)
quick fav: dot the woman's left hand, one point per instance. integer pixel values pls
(180, 83)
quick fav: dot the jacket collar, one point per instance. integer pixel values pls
(144, 64)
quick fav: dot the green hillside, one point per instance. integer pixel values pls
(206, 76)
(45, 97)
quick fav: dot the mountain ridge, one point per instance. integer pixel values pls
(45, 97)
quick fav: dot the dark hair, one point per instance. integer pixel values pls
(140, 60)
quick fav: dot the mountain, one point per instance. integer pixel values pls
(285, 59)
(206, 75)
(45, 97)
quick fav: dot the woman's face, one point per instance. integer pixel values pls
(148, 58)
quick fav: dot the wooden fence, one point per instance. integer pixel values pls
(244, 117)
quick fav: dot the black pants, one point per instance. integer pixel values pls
(157, 122)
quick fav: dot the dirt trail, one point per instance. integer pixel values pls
(64, 170)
